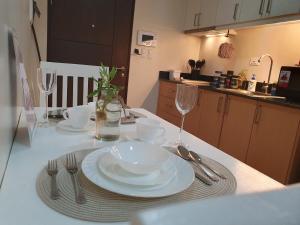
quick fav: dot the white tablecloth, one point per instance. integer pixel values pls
(20, 205)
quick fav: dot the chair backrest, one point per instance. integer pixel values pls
(74, 83)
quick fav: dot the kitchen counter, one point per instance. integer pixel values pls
(282, 102)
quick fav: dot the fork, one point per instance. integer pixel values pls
(72, 168)
(52, 172)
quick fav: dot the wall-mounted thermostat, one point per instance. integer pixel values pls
(147, 39)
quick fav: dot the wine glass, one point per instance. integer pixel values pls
(186, 98)
(46, 80)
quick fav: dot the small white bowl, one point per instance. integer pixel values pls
(139, 157)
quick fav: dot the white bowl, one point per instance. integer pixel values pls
(139, 157)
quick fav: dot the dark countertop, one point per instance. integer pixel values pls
(282, 102)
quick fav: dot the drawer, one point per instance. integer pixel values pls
(167, 89)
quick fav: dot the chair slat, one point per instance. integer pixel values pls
(75, 83)
(85, 89)
(64, 91)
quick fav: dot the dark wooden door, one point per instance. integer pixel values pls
(91, 32)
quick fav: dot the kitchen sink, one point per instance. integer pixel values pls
(251, 94)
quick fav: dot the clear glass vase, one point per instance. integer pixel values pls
(108, 115)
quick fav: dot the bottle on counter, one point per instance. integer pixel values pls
(252, 83)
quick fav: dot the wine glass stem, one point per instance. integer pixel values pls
(181, 128)
(46, 113)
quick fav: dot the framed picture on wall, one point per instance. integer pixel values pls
(29, 113)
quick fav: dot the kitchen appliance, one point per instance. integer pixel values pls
(289, 83)
(174, 75)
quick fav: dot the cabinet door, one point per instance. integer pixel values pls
(237, 126)
(228, 12)
(191, 123)
(208, 13)
(282, 7)
(211, 116)
(252, 10)
(272, 140)
(166, 108)
(192, 14)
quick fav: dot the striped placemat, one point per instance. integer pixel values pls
(105, 206)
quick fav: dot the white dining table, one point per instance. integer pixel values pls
(20, 204)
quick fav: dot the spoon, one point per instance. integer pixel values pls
(183, 153)
(197, 158)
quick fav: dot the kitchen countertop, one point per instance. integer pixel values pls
(282, 102)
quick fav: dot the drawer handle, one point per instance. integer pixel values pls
(199, 99)
(220, 103)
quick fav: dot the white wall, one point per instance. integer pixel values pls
(14, 14)
(165, 18)
(281, 41)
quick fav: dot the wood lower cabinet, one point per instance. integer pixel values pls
(263, 135)
(166, 107)
(273, 140)
(237, 126)
(192, 119)
(211, 116)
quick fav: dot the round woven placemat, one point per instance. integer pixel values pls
(105, 206)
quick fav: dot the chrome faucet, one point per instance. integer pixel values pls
(266, 86)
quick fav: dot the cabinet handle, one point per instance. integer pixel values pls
(261, 8)
(199, 98)
(269, 6)
(257, 114)
(220, 103)
(236, 7)
(195, 19)
(198, 21)
(227, 105)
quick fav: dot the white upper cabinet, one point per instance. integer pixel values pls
(282, 7)
(200, 14)
(228, 12)
(208, 12)
(192, 14)
(252, 10)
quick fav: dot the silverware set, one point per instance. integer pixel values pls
(71, 166)
(206, 174)
(52, 172)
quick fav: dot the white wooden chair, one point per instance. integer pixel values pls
(74, 72)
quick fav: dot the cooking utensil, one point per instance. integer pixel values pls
(199, 64)
(52, 172)
(192, 63)
(185, 155)
(72, 168)
(197, 158)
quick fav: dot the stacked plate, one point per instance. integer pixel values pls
(138, 169)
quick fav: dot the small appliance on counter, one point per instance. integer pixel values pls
(174, 75)
(289, 83)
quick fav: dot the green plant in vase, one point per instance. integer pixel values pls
(108, 108)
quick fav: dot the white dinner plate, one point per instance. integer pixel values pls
(183, 179)
(64, 125)
(109, 167)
